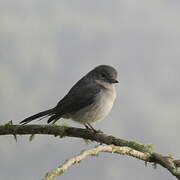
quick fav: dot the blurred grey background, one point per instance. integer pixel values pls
(46, 46)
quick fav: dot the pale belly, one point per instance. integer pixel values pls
(98, 110)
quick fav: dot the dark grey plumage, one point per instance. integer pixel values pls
(83, 94)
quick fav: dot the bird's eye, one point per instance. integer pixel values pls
(103, 75)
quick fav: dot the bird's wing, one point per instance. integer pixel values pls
(78, 98)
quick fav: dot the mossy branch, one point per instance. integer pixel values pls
(63, 131)
(94, 152)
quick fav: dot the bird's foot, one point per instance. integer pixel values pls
(89, 126)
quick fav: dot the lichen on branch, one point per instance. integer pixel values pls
(172, 165)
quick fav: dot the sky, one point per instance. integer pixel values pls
(47, 46)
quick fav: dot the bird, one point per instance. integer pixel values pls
(89, 100)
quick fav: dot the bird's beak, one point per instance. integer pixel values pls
(114, 81)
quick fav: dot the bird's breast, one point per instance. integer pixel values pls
(105, 101)
(99, 109)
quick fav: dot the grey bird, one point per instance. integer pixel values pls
(88, 101)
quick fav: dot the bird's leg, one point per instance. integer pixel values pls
(86, 126)
(91, 127)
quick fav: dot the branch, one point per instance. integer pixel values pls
(167, 162)
(93, 152)
(64, 131)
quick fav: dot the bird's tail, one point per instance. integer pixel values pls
(38, 115)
